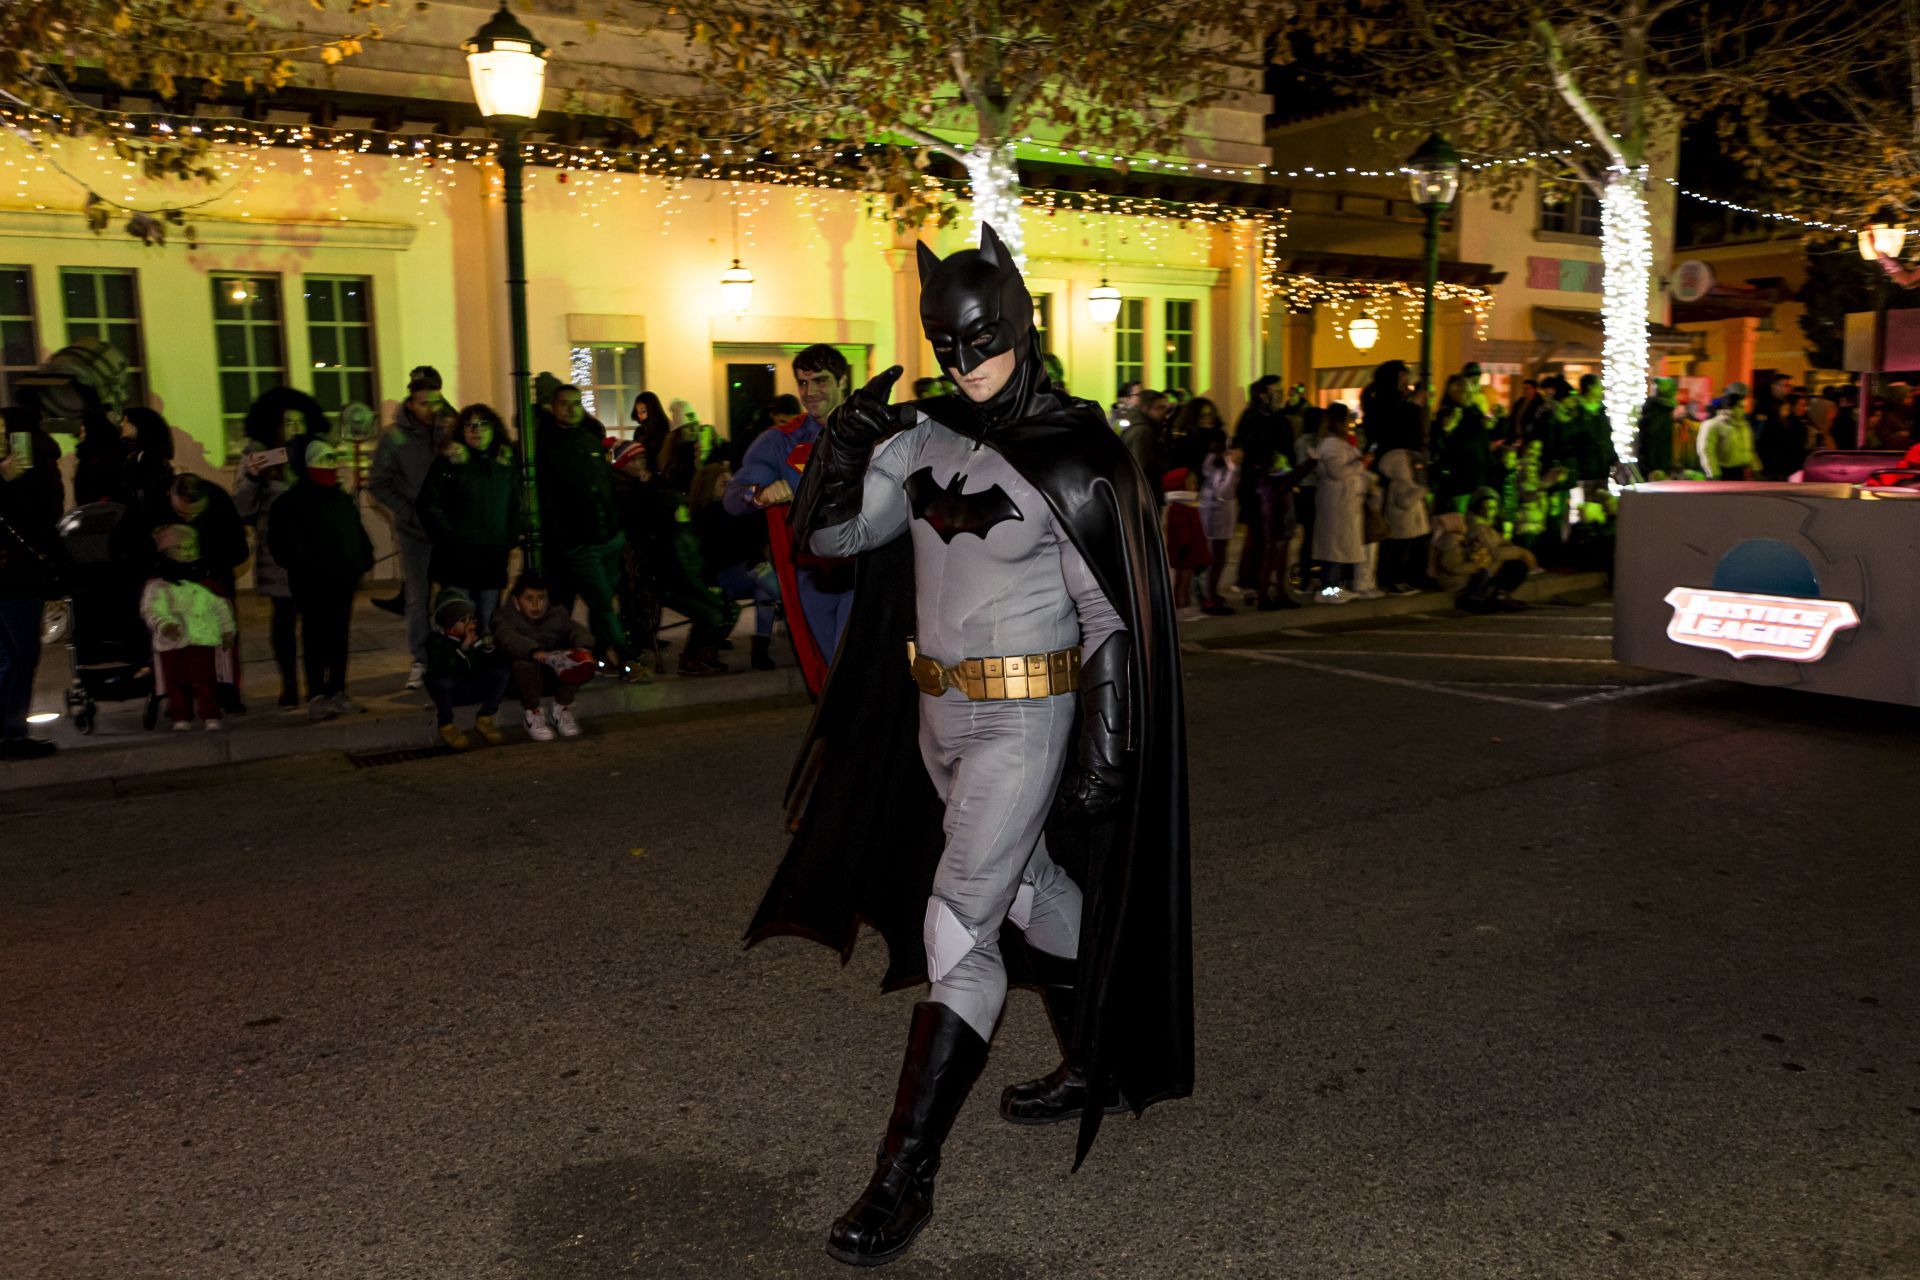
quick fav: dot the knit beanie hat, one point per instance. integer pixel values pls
(321, 454)
(450, 606)
(544, 387)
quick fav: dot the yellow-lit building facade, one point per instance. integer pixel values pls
(352, 250)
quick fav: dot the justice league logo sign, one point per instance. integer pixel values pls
(1764, 603)
(1787, 628)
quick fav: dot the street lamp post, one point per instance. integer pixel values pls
(1433, 172)
(508, 68)
(1879, 241)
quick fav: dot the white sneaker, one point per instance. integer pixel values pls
(417, 675)
(213, 726)
(344, 705)
(1368, 593)
(1333, 595)
(563, 721)
(537, 727)
(182, 726)
(1189, 614)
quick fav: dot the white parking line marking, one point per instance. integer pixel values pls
(1468, 631)
(1284, 661)
(1606, 693)
(1463, 657)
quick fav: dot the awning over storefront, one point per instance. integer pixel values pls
(1340, 379)
(1570, 333)
(1364, 268)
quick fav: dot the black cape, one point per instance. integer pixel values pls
(865, 819)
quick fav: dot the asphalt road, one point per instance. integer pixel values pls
(1511, 963)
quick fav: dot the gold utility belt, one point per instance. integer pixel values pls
(1032, 675)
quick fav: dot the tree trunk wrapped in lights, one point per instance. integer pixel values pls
(1626, 249)
(893, 87)
(1585, 93)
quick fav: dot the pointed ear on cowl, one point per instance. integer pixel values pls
(990, 247)
(928, 260)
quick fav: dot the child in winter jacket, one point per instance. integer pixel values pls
(190, 623)
(463, 668)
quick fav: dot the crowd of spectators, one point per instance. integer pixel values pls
(1469, 497)
(677, 520)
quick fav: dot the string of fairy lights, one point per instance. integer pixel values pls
(595, 177)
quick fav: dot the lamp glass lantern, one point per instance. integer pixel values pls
(508, 68)
(736, 288)
(1433, 172)
(1363, 331)
(1103, 302)
(1883, 237)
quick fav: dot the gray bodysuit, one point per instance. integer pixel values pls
(995, 575)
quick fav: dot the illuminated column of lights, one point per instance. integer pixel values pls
(995, 189)
(1626, 249)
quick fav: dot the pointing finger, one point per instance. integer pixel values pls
(881, 388)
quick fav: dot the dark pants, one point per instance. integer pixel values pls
(1252, 551)
(286, 648)
(1503, 578)
(590, 574)
(533, 681)
(485, 686)
(188, 674)
(709, 617)
(1403, 562)
(1306, 506)
(326, 621)
(19, 656)
(1219, 548)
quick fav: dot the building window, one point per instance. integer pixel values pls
(1570, 210)
(609, 375)
(250, 344)
(340, 339)
(1130, 342)
(1043, 319)
(1179, 318)
(105, 304)
(19, 345)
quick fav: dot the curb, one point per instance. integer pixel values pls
(390, 728)
(1248, 622)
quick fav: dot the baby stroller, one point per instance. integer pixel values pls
(107, 644)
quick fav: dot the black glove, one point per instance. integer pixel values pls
(836, 473)
(1095, 781)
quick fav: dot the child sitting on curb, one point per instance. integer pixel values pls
(463, 668)
(190, 624)
(551, 655)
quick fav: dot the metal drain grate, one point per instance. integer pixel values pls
(375, 759)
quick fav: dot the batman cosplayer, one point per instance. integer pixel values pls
(995, 778)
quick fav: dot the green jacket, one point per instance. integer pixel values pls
(471, 511)
(317, 537)
(1726, 442)
(576, 484)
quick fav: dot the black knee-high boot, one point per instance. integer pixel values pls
(1061, 1094)
(944, 1058)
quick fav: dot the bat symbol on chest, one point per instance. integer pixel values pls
(951, 512)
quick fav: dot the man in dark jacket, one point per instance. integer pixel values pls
(31, 496)
(1653, 448)
(400, 464)
(317, 537)
(579, 520)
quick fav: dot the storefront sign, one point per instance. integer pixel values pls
(1787, 628)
